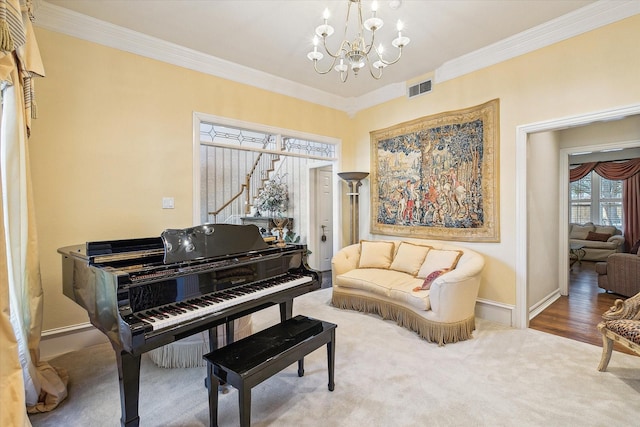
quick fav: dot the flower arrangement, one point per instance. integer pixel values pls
(274, 197)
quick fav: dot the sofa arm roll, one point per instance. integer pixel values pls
(453, 295)
(454, 301)
(618, 239)
(346, 259)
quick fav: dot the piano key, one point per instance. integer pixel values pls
(161, 318)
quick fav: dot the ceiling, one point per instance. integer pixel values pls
(275, 36)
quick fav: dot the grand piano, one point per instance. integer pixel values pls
(144, 293)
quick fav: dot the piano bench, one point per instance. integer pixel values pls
(251, 360)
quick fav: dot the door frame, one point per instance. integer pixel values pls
(312, 226)
(521, 313)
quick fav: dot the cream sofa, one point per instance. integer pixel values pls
(598, 241)
(382, 277)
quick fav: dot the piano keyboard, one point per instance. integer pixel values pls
(184, 311)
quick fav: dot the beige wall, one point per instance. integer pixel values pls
(543, 201)
(592, 72)
(114, 136)
(626, 130)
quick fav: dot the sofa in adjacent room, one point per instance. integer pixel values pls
(428, 287)
(598, 241)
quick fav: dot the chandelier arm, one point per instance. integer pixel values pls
(367, 49)
(385, 62)
(371, 67)
(340, 50)
(379, 76)
(315, 66)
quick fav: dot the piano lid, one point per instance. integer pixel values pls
(210, 240)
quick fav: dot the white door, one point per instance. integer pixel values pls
(324, 222)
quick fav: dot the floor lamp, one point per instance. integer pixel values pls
(353, 180)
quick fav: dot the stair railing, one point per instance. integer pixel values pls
(245, 188)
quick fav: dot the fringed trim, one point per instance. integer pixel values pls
(440, 333)
(6, 41)
(180, 355)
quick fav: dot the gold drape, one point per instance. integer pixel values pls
(27, 383)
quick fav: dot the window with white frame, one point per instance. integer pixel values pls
(596, 199)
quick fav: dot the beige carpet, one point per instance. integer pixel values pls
(385, 376)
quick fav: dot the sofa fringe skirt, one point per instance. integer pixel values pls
(436, 332)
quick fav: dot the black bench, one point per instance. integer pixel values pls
(251, 360)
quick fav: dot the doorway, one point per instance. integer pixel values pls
(522, 261)
(321, 216)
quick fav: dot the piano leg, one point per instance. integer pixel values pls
(286, 310)
(129, 379)
(230, 331)
(213, 338)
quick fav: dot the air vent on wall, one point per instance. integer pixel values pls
(420, 88)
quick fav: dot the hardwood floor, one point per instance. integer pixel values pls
(576, 316)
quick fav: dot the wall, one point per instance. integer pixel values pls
(591, 72)
(618, 131)
(114, 136)
(543, 224)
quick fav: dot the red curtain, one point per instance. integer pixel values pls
(629, 173)
(631, 209)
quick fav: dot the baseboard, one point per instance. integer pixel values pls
(495, 312)
(543, 304)
(55, 342)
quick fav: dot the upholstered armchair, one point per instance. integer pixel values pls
(621, 323)
(620, 274)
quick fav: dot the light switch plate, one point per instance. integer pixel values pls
(167, 203)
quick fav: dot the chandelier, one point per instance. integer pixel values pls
(358, 53)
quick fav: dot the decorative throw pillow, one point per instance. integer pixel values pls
(439, 259)
(580, 231)
(409, 258)
(426, 285)
(635, 248)
(375, 254)
(598, 237)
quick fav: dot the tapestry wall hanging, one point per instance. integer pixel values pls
(437, 176)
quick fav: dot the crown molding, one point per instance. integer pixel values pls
(65, 21)
(580, 21)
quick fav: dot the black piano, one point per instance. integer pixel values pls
(147, 292)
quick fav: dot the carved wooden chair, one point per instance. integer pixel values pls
(621, 323)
